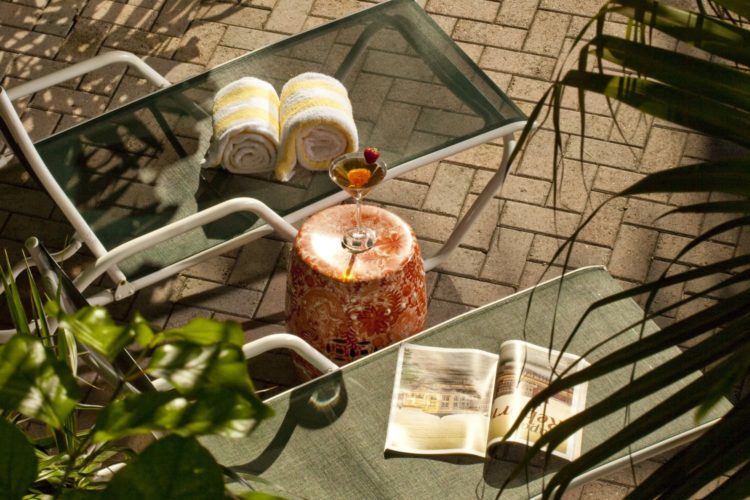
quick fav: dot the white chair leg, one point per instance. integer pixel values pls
(463, 226)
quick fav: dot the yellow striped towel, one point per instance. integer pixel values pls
(316, 123)
(246, 127)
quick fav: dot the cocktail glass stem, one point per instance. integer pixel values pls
(358, 213)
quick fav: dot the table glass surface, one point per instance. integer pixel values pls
(137, 168)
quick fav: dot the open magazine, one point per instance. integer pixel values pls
(465, 400)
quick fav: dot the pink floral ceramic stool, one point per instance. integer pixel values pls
(348, 305)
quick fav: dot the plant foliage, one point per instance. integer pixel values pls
(211, 394)
(706, 89)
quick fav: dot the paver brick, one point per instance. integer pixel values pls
(524, 189)
(547, 33)
(470, 292)
(597, 490)
(543, 249)
(20, 16)
(517, 12)
(507, 255)
(175, 16)
(668, 295)
(663, 149)
(426, 225)
(535, 273)
(481, 231)
(288, 16)
(118, 13)
(448, 189)
(236, 15)
(141, 42)
(537, 156)
(25, 201)
(489, 34)
(223, 54)
(248, 38)
(538, 219)
(174, 71)
(218, 297)
(84, 41)
(632, 242)
(271, 307)
(216, 269)
(63, 100)
(519, 63)
(199, 42)
(647, 213)
(39, 123)
(669, 245)
(255, 264)
(596, 126)
(399, 192)
(423, 175)
(29, 42)
(446, 23)
(630, 126)
(483, 156)
(481, 10)
(574, 182)
(603, 153)
(464, 261)
(333, 9)
(59, 16)
(602, 228)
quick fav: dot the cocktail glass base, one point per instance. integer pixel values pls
(359, 239)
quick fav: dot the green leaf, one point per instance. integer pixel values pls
(713, 207)
(711, 447)
(217, 412)
(192, 368)
(668, 103)
(740, 7)
(142, 331)
(709, 79)
(94, 327)
(710, 34)
(729, 176)
(204, 331)
(171, 468)
(18, 462)
(13, 299)
(259, 495)
(34, 383)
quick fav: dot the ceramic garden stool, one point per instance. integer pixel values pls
(349, 305)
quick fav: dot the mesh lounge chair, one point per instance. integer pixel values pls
(326, 438)
(130, 182)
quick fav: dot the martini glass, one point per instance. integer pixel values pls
(352, 173)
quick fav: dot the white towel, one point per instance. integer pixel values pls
(246, 127)
(317, 124)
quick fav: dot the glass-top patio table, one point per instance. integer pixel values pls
(135, 169)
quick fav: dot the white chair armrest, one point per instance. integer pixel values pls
(83, 67)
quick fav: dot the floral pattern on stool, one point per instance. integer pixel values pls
(349, 305)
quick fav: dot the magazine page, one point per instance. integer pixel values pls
(523, 371)
(441, 401)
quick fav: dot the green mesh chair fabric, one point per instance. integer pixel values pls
(137, 168)
(327, 437)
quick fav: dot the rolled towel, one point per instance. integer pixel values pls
(316, 123)
(246, 127)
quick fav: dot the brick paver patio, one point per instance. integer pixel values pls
(518, 42)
